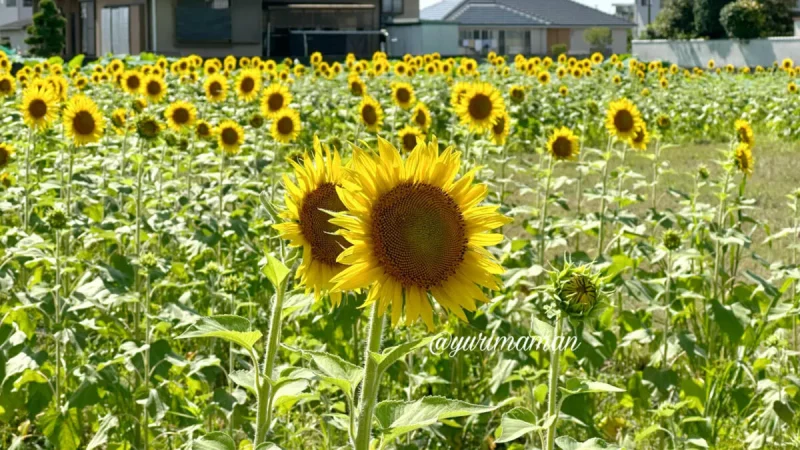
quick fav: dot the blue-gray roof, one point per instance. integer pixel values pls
(552, 13)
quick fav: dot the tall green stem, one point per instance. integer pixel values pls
(620, 185)
(146, 420)
(28, 151)
(543, 218)
(667, 309)
(57, 307)
(264, 391)
(552, 390)
(369, 387)
(607, 157)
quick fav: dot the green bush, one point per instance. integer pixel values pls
(558, 49)
(598, 37)
(743, 19)
(46, 35)
(707, 18)
(778, 17)
(675, 21)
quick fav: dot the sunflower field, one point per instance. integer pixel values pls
(240, 253)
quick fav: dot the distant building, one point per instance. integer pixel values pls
(15, 17)
(625, 10)
(646, 12)
(526, 26)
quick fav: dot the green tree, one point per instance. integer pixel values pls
(706, 18)
(598, 38)
(675, 21)
(46, 35)
(778, 17)
(743, 19)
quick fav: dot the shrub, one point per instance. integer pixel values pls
(778, 17)
(706, 18)
(743, 19)
(558, 49)
(598, 37)
(46, 35)
(675, 21)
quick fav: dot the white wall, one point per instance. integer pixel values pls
(797, 26)
(10, 14)
(619, 40)
(579, 46)
(640, 17)
(697, 52)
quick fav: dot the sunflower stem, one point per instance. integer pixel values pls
(667, 309)
(57, 307)
(28, 150)
(369, 386)
(552, 390)
(264, 389)
(145, 412)
(607, 157)
(543, 218)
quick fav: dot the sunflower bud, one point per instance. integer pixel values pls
(6, 179)
(170, 139)
(576, 290)
(148, 260)
(211, 268)
(671, 240)
(256, 121)
(57, 220)
(703, 172)
(148, 127)
(231, 284)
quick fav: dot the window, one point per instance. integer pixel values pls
(115, 30)
(27, 3)
(203, 21)
(11, 3)
(87, 28)
(394, 7)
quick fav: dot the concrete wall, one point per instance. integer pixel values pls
(16, 39)
(579, 46)
(410, 11)
(619, 40)
(421, 38)
(246, 17)
(697, 52)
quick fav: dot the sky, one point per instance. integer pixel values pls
(602, 5)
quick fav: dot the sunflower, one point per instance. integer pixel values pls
(457, 93)
(39, 107)
(5, 154)
(370, 113)
(421, 116)
(743, 157)
(316, 58)
(401, 69)
(744, 133)
(286, 125)
(517, 93)
(154, 88)
(148, 127)
(248, 84)
(792, 87)
(180, 115)
(82, 121)
(357, 86)
(230, 136)
(216, 88)
(563, 144)
(408, 138)
(616, 79)
(275, 98)
(132, 82)
(563, 90)
(416, 231)
(597, 58)
(623, 119)
(307, 225)
(544, 77)
(664, 83)
(640, 139)
(663, 122)
(403, 95)
(787, 64)
(7, 85)
(501, 128)
(119, 119)
(203, 129)
(480, 107)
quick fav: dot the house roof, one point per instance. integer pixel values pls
(16, 25)
(551, 13)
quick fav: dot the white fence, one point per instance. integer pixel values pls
(697, 52)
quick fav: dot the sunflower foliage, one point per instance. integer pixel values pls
(238, 253)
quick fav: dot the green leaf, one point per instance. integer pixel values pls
(337, 371)
(275, 271)
(392, 354)
(397, 417)
(214, 441)
(516, 423)
(231, 328)
(100, 438)
(76, 62)
(29, 376)
(267, 446)
(732, 320)
(576, 386)
(62, 430)
(568, 443)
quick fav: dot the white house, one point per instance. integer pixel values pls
(15, 16)
(646, 12)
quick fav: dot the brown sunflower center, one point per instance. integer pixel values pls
(180, 116)
(229, 136)
(153, 88)
(275, 102)
(83, 123)
(285, 125)
(369, 114)
(419, 234)
(409, 141)
(247, 85)
(420, 118)
(500, 126)
(215, 88)
(5, 155)
(37, 108)
(315, 225)
(203, 130)
(355, 88)
(623, 121)
(480, 107)
(5, 86)
(403, 95)
(517, 94)
(562, 147)
(132, 83)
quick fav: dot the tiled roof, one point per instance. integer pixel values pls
(553, 13)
